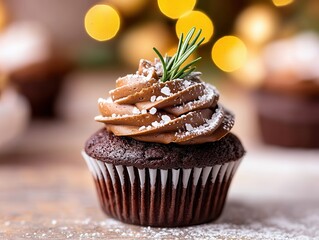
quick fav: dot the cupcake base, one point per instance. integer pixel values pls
(42, 95)
(41, 84)
(162, 197)
(287, 134)
(288, 120)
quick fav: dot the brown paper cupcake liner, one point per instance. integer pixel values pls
(162, 197)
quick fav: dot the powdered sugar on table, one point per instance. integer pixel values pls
(273, 196)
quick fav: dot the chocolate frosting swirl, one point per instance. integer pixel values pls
(182, 111)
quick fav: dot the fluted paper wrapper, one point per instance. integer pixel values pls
(163, 198)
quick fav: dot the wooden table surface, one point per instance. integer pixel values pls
(47, 192)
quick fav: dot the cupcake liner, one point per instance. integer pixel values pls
(162, 197)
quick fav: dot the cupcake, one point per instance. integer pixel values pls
(33, 67)
(288, 99)
(166, 156)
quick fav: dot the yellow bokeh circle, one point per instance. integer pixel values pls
(281, 3)
(102, 22)
(229, 53)
(196, 19)
(175, 8)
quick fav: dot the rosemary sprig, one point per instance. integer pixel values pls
(172, 65)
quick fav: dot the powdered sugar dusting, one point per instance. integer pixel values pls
(209, 94)
(142, 128)
(146, 75)
(240, 220)
(156, 124)
(259, 207)
(153, 110)
(188, 127)
(166, 91)
(136, 111)
(114, 115)
(159, 98)
(102, 100)
(228, 122)
(132, 76)
(204, 128)
(153, 98)
(187, 83)
(166, 118)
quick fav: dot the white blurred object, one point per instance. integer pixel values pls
(298, 55)
(14, 116)
(22, 44)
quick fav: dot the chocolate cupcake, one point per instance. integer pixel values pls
(166, 156)
(288, 99)
(41, 84)
(28, 57)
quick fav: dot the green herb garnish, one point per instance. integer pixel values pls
(172, 65)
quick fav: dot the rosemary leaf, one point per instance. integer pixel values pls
(179, 47)
(172, 65)
(193, 42)
(186, 41)
(163, 64)
(187, 72)
(180, 72)
(183, 58)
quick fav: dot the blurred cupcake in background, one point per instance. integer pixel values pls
(14, 113)
(33, 66)
(281, 70)
(288, 97)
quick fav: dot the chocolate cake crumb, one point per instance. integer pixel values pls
(105, 146)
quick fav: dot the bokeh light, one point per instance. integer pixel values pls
(257, 24)
(3, 15)
(229, 53)
(102, 22)
(252, 73)
(176, 8)
(196, 19)
(128, 8)
(281, 3)
(139, 41)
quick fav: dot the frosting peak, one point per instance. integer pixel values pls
(183, 111)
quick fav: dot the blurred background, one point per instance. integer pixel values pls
(47, 48)
(58, 57)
